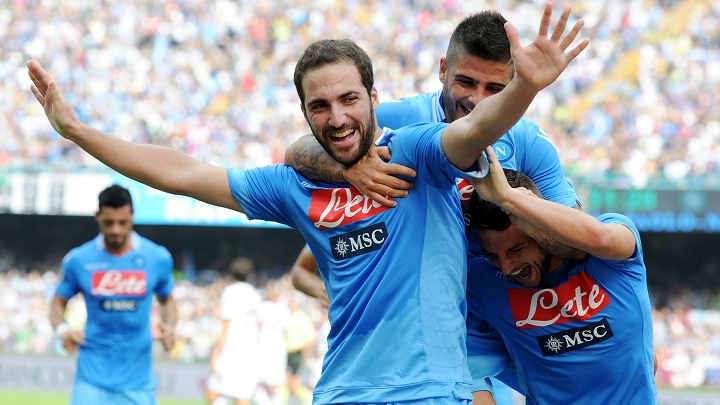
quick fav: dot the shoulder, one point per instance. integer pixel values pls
(81, 252)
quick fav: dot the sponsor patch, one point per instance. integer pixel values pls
(340, 206)
(575, 338)
(119, 282)
(365, 240)
(119, 305)
(578, 299)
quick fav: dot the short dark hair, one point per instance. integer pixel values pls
(114, 197)
(486, 215)
(481, 35)
(327, 51)
(241, 268)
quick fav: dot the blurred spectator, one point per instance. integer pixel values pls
(212, 78)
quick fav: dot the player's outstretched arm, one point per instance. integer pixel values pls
(160, 167)
(372, 175)
(538, 65)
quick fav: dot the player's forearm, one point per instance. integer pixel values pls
(305, 281)
(547, 243)
(494, 116)
(168, 312)
(571, 227)
(57, 313)
(157, 166)
(489, 120)
(308, 158)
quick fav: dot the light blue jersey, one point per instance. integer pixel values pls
(583, 336)
(118, 292)
(525, 148)
(395, 277)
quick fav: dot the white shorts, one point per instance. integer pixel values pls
(233, 379)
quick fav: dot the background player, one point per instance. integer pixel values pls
(234, 359)
(117, 272)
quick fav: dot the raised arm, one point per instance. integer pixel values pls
(537, 65)
(160, 167)
(566, 225)
(372, 175)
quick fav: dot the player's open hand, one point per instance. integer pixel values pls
(541, 62)
(494, 187)
(72, 340)
(57, 109)
(377, 179)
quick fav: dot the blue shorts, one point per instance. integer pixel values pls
(88, 394)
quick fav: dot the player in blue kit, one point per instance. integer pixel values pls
(118, 272)
(560, 319)
(477, 65)
(398, 321)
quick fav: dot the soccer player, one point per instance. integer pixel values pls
(234, 360)
(560, 319)
(477, 64)
(118, 273)
(398, 321)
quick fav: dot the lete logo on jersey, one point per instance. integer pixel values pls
(340, 206)
(578, 299)
(119, 282)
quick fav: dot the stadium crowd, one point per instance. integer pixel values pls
(213, 77)
(686, 325)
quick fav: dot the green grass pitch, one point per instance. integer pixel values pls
(10, 397)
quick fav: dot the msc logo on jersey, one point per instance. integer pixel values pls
(119, 282)
(119, 305)
(356, 243)
(575, 338)
(341, 206)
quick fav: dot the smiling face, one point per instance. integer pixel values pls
(340, 111)
(470, 80)
(517, 255)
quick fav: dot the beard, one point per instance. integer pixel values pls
(544, 265)
(115, 243)
(367, 139)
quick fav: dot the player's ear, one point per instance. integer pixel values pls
(443, 69)
(374, 98)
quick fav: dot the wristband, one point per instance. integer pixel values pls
(61, 330)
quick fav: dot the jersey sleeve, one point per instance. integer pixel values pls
(420, 146)
(262, 192)
(634, 265)
(69, 285)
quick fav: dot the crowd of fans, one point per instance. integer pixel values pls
(686, 326)
(214, 78)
